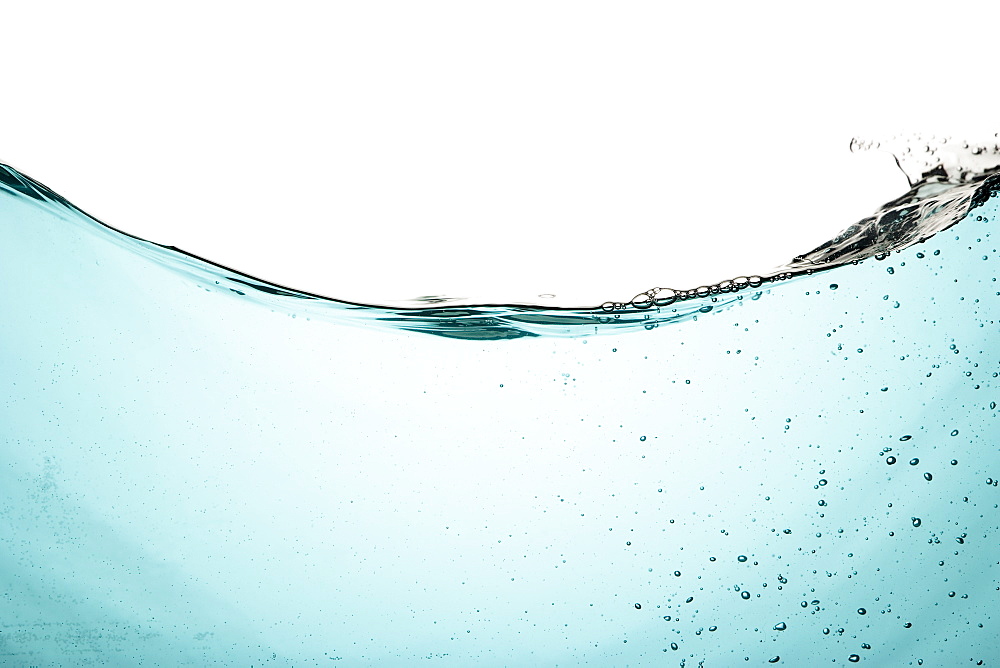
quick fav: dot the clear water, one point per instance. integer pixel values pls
(201, 468)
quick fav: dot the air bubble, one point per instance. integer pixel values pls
(780, 626)
(916, 521)
(665, 297)
(890, 460)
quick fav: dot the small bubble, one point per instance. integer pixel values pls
(891, 270)
(673, 646)
(914, 461)
(713, 628)
(928, 476)
(908, 625)
(677, 573)
(642, 438)
(890, 460)
(834, 286)
(862, 611)
(854, 658)
(905, 438)
(780, 626)
(745, 595)
(954, 462)
(638, 606)
(954, 432)
(774, 660)
(916, 521)
(741, 558)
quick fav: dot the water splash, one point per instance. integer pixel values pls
(198, 467)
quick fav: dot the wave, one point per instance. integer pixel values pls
(949, 181)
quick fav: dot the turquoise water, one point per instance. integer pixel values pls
(202, 468)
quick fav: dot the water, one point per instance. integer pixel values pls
(201, 468)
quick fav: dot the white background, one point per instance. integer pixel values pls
(496, 150)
